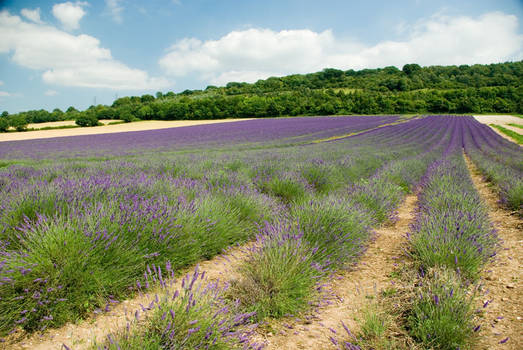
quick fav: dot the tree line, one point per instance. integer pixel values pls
(493, 88)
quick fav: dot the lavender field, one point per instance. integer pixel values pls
(89, 221)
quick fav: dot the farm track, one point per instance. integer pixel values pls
(339, 137)
(83, 334)
(350, 290)
(503, 277)
(505, 136)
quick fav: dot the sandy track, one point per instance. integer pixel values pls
(502, 120)
(351, 289)
(82, 335)
(64, 123)
(108, 129)
(503, 278)
(498, 119)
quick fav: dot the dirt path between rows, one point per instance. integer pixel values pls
(351, 289)
(83, 334)
(503, 277)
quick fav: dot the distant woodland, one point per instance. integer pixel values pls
(492, 88)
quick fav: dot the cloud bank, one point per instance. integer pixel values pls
(69, 60)
(254, 54)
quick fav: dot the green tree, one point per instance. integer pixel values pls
(411, 69)
(146, 112)
(19, 122)
(86, 119)
(127, 116)
(147, 98)
(4, 122)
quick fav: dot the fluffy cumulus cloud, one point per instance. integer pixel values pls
(32, 15)
(69, 14)
(254, 54)
(69, 60)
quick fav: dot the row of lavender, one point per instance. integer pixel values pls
(181, 208)
(262, 131)
(500, 161)
(78, 233)
(451, 241)
(284, 271)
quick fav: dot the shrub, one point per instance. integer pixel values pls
(4, 124)
(279, 276)
(442, 314)
(196, 317)
(86, 119)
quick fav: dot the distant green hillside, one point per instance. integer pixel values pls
(493, 88)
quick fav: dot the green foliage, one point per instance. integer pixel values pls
(277, 280)
(127, 116)
(338, 233)
(454, 231)
(516, 125)
(375, 329)
(514, 195)
(197, 318)
(4, 124)
(494, 88)
(86, 119)
(288, 190)
(442, 314)
(77, 277)
(411, 69)
(512, 134)
(318, 177)
(18, 121)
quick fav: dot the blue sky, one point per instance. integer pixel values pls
(58, 54)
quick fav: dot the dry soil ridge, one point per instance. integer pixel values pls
(351, 290)
(503, 277)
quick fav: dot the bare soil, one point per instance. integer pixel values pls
(498, 119)
(503, 277)
(351, 291)
(64, 123)
(107, 129)
(96, 328)
(502, 120)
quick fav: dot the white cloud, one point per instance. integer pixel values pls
(116, 9)
(5, 94)
(51, 93)
(243, 76)
(32, 15)
(254, 54)
(69, 60)
(69, 14)
(1, 83)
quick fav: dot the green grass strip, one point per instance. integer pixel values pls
(516, 125)
(512, 134)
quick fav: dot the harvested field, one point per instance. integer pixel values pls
(106, 129)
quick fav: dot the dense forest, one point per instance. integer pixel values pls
(493, 88)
